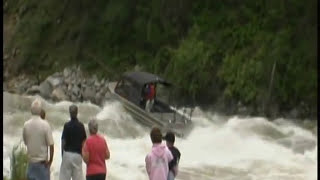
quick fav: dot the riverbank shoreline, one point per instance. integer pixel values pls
(72, 84)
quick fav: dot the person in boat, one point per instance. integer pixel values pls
(157, 161)
(144, 95)
(173, 165)
(37, 136)
(73, 137)
(150, 97)
(94, 153)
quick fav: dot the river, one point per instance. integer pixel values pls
(219, 147)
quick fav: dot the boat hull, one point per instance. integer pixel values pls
(181, 127)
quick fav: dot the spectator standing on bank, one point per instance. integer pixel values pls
(94, 153)
(37, 136)
(73, 137)
(173, 165)
(157, 161)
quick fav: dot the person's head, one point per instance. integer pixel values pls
(36, 107)
(170, 138)
(155, 135)
(73, 110)
(42, 114)
(93, 126)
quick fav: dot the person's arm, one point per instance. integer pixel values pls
(50, 143)
(107, 152)
(63, 141)
(175, 168)
(85, 153)
(51, 156)
(169, 155)
(24, 136)
(84, 136)
(148, 165)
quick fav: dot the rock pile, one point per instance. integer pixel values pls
(71, 85)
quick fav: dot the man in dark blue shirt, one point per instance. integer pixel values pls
(73, 137)
(173, 165)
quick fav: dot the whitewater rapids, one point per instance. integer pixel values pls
(224, 148)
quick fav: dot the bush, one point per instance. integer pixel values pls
(19, 163)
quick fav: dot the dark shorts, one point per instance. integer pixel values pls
(96, 177)
(38, 171)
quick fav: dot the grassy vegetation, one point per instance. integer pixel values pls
(18, 163)
(209, 49)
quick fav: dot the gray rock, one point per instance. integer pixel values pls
(59, 94)
(75, 90)
(67, 80)
(69, 87)
(97, 83)
(33, 90)
(78, 70)
(89, 94)
(66, 72)
(54, 81)
(57, 74)
(73, 76)
(74, 98)
(45, 89)
(107, 95)
(98, 98)
(106, 85)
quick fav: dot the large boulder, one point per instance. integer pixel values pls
(98, 98)
(45, 89)
(54, 81)
(75, 90)
(74, 98)
(89, 94)
(67, 80)
(58, 94)
(66, 72)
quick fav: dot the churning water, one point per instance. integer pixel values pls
(222, 148)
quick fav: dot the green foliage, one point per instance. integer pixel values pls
(19, 162)
(190, 65)
(198, 45)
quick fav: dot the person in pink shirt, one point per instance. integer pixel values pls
(94, 152)
(158, 159)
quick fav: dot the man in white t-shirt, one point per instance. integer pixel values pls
(37, 136)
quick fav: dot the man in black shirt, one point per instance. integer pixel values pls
(173, 165)
(73, 137)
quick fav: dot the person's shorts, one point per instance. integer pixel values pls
(38, 171)
(71, 166)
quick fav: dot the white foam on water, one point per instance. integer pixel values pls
(238, 148)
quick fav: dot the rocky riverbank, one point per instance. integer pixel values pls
(71, 85)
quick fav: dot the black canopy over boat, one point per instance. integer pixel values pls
(129, 90)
